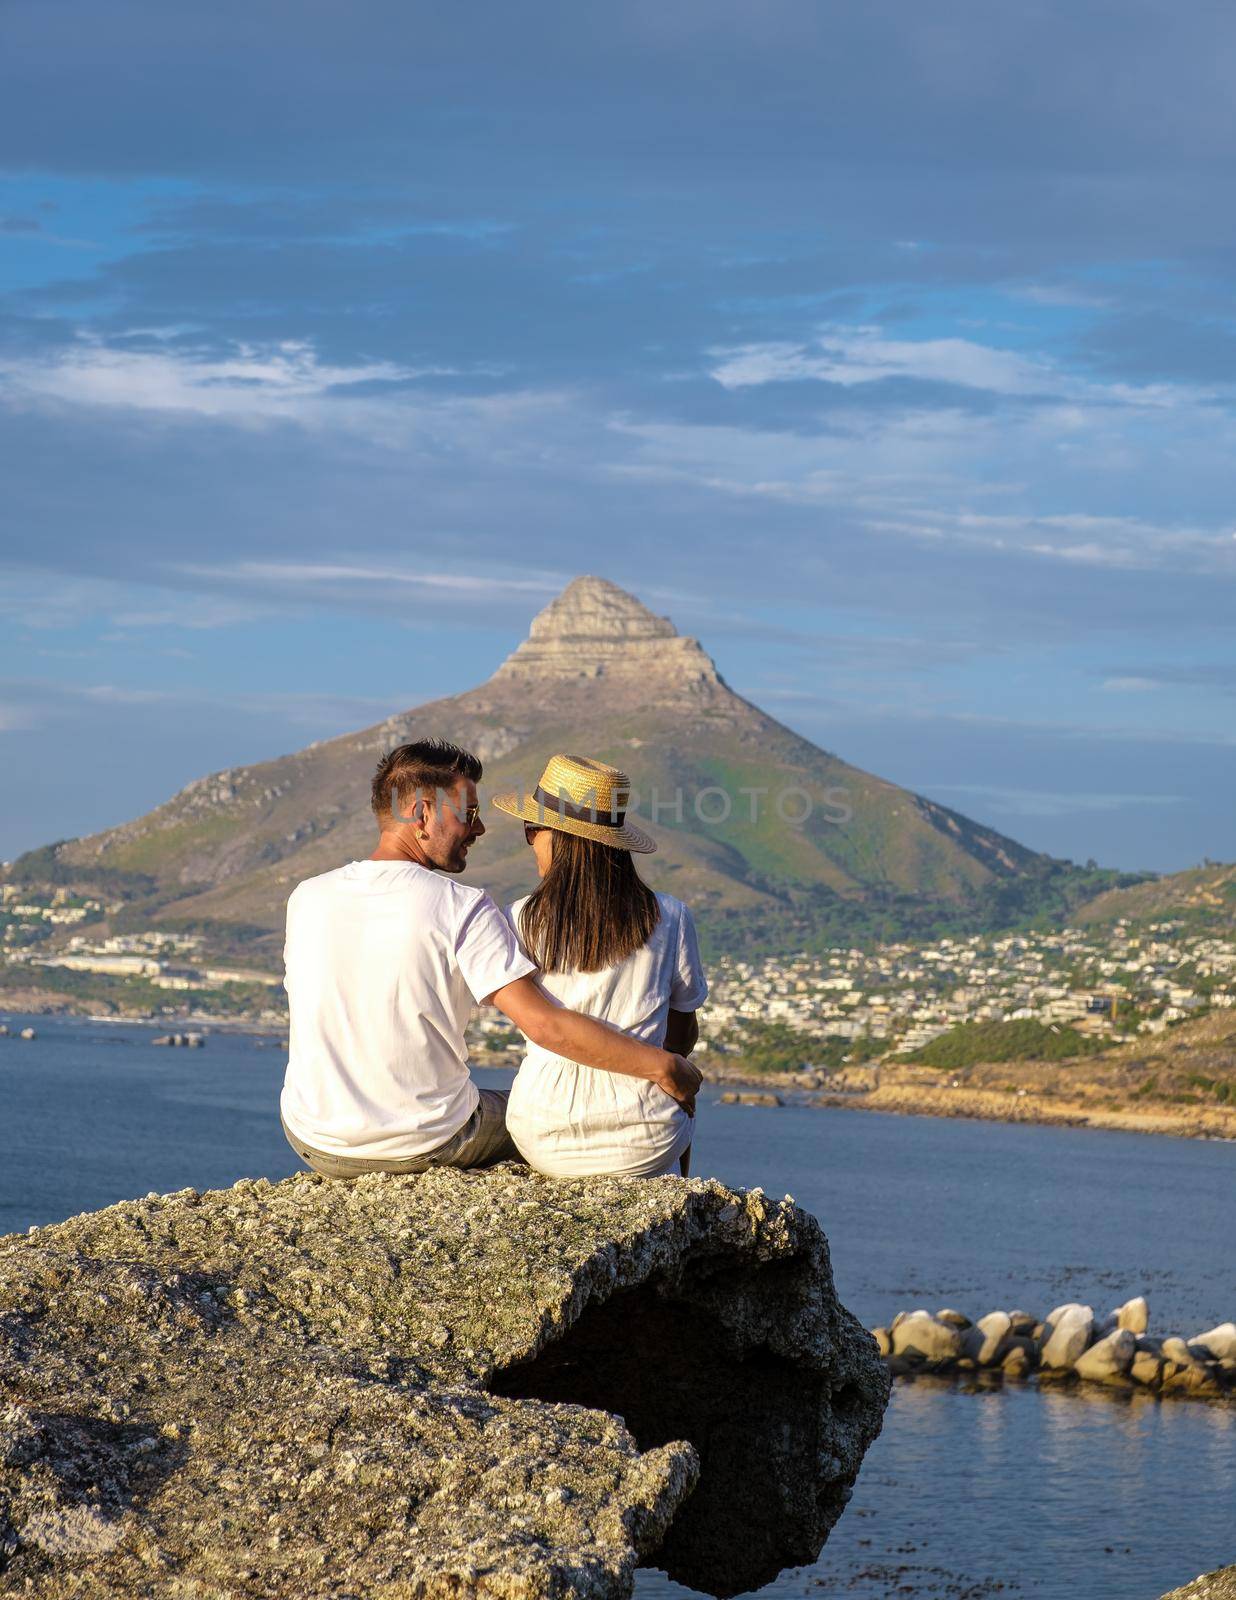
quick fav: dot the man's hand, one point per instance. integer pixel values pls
(594, 1043)
(681, 1081)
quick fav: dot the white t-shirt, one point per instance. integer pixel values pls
(570, 1120)
(384, 959)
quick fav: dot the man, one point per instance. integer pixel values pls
(384, 958)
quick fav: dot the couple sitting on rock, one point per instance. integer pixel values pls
(385, 957)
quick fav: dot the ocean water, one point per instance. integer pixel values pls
(1011, 1491)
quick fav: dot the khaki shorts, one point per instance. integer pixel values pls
(482, 1141)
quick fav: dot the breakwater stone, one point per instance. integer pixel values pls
(447, 1384)
(1070, 1343)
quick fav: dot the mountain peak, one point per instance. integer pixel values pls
(591, 608)
(594, 629)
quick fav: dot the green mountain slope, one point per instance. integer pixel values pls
(598, 675)
(1200, 897)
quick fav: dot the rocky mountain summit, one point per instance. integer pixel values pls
(443, 1385)
(595, 630)
(774, 841)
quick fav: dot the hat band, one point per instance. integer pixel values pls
(567, 808)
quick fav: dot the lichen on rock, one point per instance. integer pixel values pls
(1220, 1585)
(445, 1384)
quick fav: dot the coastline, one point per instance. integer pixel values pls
(1103, 1092)
(1181, 1084)
(990, 1106)
(901, 1100)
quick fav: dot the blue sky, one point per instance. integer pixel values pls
(890, 350)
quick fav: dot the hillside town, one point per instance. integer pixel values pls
(125, 971)
(1111, 982)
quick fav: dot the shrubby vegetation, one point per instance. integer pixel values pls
(43, 868)
(760, 1047)
(1022, 1040)
(816, 919)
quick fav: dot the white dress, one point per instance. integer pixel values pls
(573, 1121)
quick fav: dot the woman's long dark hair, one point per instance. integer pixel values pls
(592, 908)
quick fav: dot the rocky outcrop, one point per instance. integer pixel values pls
(594, 629)
(442, 1385)
(1220, 1585)
(1070, 1343)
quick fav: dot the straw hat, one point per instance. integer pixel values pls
(580, 796)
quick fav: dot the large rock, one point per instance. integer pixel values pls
(995, 1329)
(917, 1335)
(1133, 1314)
(412, 1387)
(1219, 1585)
(1066, 1334)
(1109, 1359)
(1146, 1368)
(1219, 1343)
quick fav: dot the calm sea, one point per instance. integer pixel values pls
(1011, 1492)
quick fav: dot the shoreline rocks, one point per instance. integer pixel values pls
(1220, 1585)
(437, 1385)
(1069, 1344)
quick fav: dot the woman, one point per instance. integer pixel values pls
(611, 948)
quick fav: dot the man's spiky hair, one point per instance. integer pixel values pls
(424, 764)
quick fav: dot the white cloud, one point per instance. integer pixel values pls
(250, 382)
(55, 604)
(45, 699)
(116, 695)
(1129, 685)
(851, 355)
(1078, 539)
(856, 354)
(1061, 294)
(255, 385)
(301, 574)
(942, 475)
(948, 477)
(193, 612)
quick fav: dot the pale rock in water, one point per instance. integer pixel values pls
(995, 1328)
(1067, 1333)
(918, 1333)
(1110, 1358)
(1220, 1342)
(1146, 1368)
(1134, 1315)
(1176, 1349)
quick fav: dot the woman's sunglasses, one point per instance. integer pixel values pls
(530, 831)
